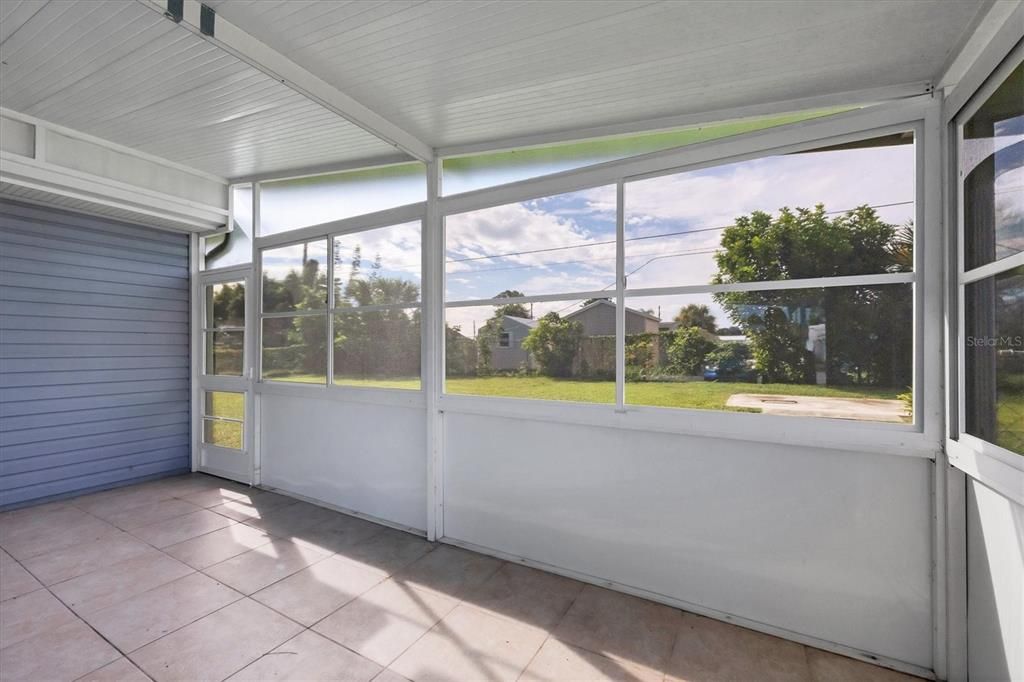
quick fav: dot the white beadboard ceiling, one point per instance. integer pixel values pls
(120, 71)
(451, 72)
(456, 72)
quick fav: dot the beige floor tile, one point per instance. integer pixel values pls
(160, 510)
(388, 675)
(389, 551)
(220, 545)
(828, 667)
(121, 670)
(112, 584)
(265, 565)
(219, 494)
(26, 536)
(383, 622)
(319, 589)
(34, 660)
(450, 571)
(172, 531)
(561, 662)
(217, 645)
(250, 507)
(527, 595)
(144, 618)
(621, 626)
(470, 644)
(708, 650)
(31, 614)
(338, 533)
(75, 560)
(292, 520)
(15, 580)
(309, 657)
(110, 502)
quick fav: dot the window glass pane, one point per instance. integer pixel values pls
(222, 433)
(994, 359)
(378, 348)
(563, 243)
(295, 277)
(992, 167)
(547, 356)
(227, 404)
(225, 305)
(234, 247)
(467, 173)
(295, 349)
(378, 267)
(224, 352)
(300, 202)
(845, 210)
(840, 352)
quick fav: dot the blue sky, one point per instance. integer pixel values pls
(565, 243)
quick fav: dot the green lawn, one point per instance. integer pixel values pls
(707, 395)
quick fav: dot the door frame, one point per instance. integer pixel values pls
(241, 384)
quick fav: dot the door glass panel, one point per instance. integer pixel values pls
(224, 434)
(223, 419)
(224, 329)
(225, 305)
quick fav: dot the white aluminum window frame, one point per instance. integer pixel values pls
(921, 439)
(995, 466)
(368, 394)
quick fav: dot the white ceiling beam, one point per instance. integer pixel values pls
(364, 163)
(261, 56)
(841, 99)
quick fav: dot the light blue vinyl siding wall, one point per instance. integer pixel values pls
(94, 353)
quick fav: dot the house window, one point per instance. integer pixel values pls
(783, 284)
(294, 313)
(991, 152)
(724, 247)
(529, 271)
(345, 310)
(376, 305)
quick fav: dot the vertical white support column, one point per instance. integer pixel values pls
(433, 350)
(620, 299)
(253, 338)
(196, 346)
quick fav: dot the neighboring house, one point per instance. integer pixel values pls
(598, 319)
(507, 352)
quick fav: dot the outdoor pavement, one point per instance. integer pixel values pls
(194, 578)
(863, 409)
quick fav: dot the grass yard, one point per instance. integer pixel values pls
(705, 395)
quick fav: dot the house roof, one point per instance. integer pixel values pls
(525, 321)
(604, 301)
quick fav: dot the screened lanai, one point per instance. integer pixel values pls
(592, 340)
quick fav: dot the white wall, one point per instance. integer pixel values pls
(367, 458)
(995, 573)
(827, 544)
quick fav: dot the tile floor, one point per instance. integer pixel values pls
(194, 578)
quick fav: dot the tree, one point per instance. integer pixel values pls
(808, 243)
(696, 315)
(554, 343)
(511, 309)
(689, 349)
